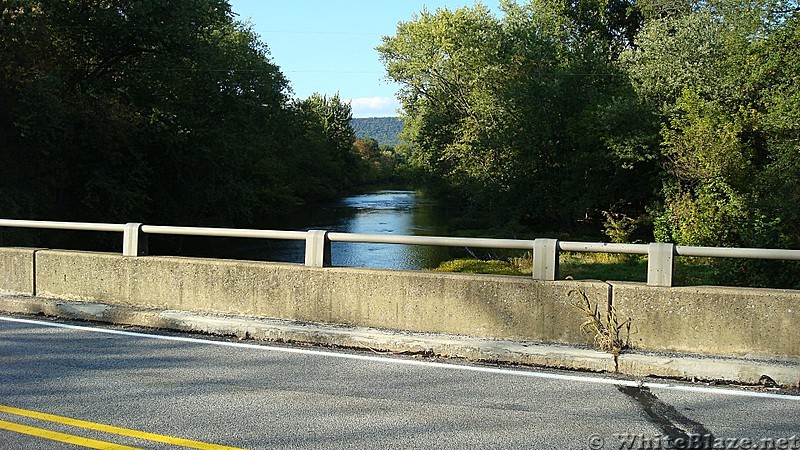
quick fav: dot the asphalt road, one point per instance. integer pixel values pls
(120, 385)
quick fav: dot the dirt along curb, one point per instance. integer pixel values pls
(677, 366)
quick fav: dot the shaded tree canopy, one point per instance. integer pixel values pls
(165, 111)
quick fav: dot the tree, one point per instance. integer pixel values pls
(447, 63)
(713, 74)
(160, 111)
(329, 159)
(513, 114)
(723, 77)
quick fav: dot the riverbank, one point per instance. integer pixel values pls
(589, 266)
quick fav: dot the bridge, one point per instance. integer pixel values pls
(750, 333)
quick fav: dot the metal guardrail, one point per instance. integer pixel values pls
(660, 256)
(224, 232)
(602, 247)
(439, 241)
(62, 225)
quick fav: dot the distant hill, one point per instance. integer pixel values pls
(383, 129)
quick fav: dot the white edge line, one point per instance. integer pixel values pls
(408, 362)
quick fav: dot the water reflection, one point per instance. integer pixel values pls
(381, 212)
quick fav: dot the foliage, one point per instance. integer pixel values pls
(724, 80)
(328, 143)
(376, 163)
(160, 111)
(680, 115)
(713, 74)
(385, 130)
(525, 118)
(619, 227)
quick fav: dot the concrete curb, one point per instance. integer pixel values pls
(737, 370)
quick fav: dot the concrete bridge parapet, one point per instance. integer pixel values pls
(715, 321)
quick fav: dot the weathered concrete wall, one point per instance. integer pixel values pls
(703, 320)
(17, 270)
(475, 305)
(711, 320)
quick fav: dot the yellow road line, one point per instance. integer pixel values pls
(62, 437)
(114, 430)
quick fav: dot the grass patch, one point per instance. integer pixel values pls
(696, 272)
(591, 266)
(470, 265)
(602, 266)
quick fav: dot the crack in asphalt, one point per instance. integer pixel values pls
(680, 431)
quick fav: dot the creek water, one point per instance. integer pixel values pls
(379, 212)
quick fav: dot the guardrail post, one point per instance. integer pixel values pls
(660, 262)
(134, 242)
(318, 249)
(545, 259)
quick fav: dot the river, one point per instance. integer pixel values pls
(380, 212)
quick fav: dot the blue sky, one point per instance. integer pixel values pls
(328, 46)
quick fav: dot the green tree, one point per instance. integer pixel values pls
(330, 139)
(165, 111)
(446, 62)
(723, 77)
(713, 74)
(515, 114)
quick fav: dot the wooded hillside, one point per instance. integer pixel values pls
(385, 130)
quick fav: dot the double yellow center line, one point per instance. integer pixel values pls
(91, 443)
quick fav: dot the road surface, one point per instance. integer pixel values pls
(67, 384)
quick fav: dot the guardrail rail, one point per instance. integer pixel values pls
(660, 256)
